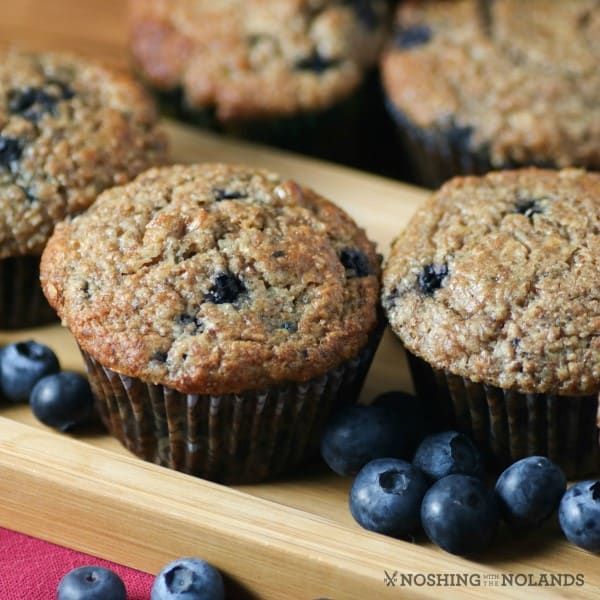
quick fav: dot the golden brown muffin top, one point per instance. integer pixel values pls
(496, 279)
(249, 59)
(69, 128)
(214, 279)
(521, 77)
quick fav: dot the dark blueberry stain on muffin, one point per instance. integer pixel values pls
(278, 254)
(365, 13)
(431, 278)
(190, 322)
(289, 326)
(355, 262)
(515, 342)
(412, 36)
(33, 103)
(316, 63)
(222, 194)
(529, 207)
(10, 150)
(159, 356)
(85, 290)
(29, 195)
(226, 289)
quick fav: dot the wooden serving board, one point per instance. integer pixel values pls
(289, 539)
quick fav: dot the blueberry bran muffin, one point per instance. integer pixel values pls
(290, 73)
(493, 290)
(69, 128)
(475, 86)
(228, 310)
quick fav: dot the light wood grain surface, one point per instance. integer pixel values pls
(290, 539)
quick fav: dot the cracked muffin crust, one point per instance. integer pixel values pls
(214, 279)
(504, 83)
(69, 128)
(496, 279)
(249, 59)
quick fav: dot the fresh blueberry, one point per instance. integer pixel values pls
(22, 365)
(188, 579)
(355, 262)
(389, 428)
(579, 514)
(91, 583)
(460, 514)
(431, 278)
(409, 417)
(448, 453)
(226, 289)
(529, 491)
(62, 400)
(386, 496)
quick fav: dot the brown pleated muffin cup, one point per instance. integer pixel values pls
(492, 288)
(70, 128)
(510, 425)
(227, 314)
(232, 438)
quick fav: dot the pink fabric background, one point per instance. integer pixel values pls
(31, 569)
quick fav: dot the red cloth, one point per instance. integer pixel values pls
(31, 569)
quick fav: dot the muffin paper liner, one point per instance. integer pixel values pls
(339, 133)
(509, 425)
(22, 302)
(230, 438)
(437, 155)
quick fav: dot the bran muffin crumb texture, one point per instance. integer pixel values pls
(69, 128)
(520, 79)
(496, 279)
(214, 279)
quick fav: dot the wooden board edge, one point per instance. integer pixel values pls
(96, 501)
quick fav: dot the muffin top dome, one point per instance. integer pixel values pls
(214, 279)
(519, 79)
(69, 128)
(250, 59)
(496, 279)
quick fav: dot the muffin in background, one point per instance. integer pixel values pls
(227, 313)
(299, 75)
(493, 290)
(69, 128)
(476, 86)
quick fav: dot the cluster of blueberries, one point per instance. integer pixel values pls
(190, 578)
(30, 372)
(407, 478)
